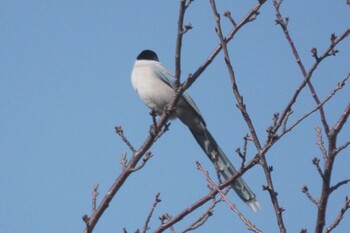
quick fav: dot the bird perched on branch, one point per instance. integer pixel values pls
(154, 85)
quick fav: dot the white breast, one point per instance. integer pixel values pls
(149, 86)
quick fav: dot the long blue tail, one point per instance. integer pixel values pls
(209, 146)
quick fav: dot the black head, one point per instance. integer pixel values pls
(147, 55)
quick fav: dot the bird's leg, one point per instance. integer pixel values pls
(169, 111)
(154, 127)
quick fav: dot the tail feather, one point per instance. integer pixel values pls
(209, 146)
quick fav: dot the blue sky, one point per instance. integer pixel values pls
(65, 83)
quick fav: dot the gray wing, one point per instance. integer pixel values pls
(168, 78)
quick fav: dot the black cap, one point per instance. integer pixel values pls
(147, 55)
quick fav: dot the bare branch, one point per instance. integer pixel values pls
(249, 225)
(180, 32)
(123, 160)
(307, 75)
(320, 142)
(205, 216)
(328, 168)
(231, 34)
(235, 90)
(340, 216)
(338, 126)
(228, 15)
(145, 158)
(200, 220)
(95, 193)
(316, 162)
(214, 156)
(338, 87)
(343, 182)
(277, 4)
(207, 197)
(284, 128)
(342, 147)
(242, 108)
(149, 216)
(119, 131)
(243, 154)
(271, 133)
(166, 218)
(305, 190)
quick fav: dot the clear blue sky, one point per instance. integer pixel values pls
(65, 83)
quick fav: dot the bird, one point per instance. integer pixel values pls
(154, 84)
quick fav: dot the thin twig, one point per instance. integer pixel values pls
(207, 197)
(343, 182)
(149, 216)
(328, 168)
(284, 25)
(340, 216)
(230, 35)
(340, 123)
(228, 15)
(145, 158)
(205, 216)
(305, 190)
(180, 32)
(166, 218)
(120, 132)
(316, 162)
(95, 193)
(123, 160)
(342, 147)
(246, 221)
(284, 127)
(338, 87)
(247, 119)
(235, 90)
(307, 75)
(243, 154)
(320, 142)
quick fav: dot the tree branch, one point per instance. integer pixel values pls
(342, 147)
(328, 168)
(338, 126)
(180, 32)
(149, 216)
(338, 87)
(208, 61)
(239, 98)
(343, 182)
(320, 142)
(212, 184)
(307, 75)
(207, 197)
(340, 216)
(305, 190)
(205, 216)
(120, 132)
